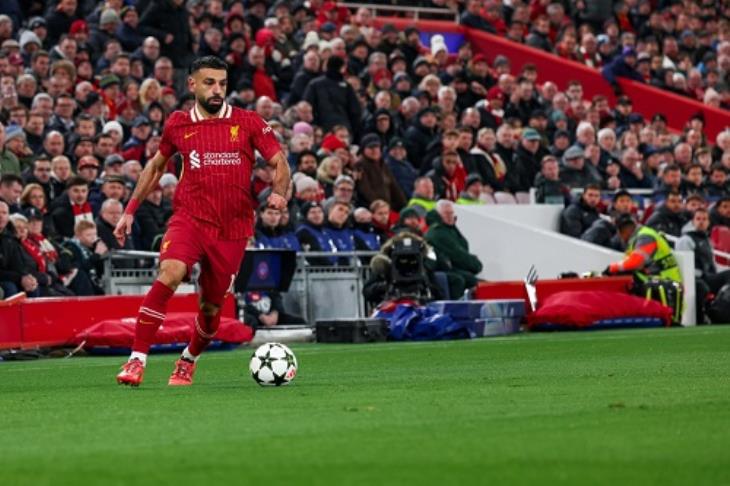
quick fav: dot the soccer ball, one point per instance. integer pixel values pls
(273, 364)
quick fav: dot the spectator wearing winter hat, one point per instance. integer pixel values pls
(472, 191)
(306, 189)
(419, 135)
(9, 163)
(333, 101)
(29, 44)
(403, 171)
(311, 235)
(377, 181)
(15, 144)
(103, 32)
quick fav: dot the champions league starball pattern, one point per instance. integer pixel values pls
(273, 364)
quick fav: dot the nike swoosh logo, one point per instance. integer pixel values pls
(188, 135)
(145, 322)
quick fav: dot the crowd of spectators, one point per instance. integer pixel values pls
(377, 126)
(681, 46)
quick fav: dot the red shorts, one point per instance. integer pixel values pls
(219, 260)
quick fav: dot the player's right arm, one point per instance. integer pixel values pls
(149, 179)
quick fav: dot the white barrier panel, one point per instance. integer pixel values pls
(508, 241)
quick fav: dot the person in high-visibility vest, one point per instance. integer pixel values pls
(651, 260)
(648, 253)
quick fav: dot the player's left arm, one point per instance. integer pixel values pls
(280, 185)
(264, 140)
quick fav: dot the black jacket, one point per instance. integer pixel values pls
(666, 221)
(417, 139)
(162, 18)
(299, 85)
(476, 22)
(63, 216)
(600, 233)
(577, 218)
(699, 242)
(528, 166)
(334, 102)
(152, 222)
(12, 263)
(58, 23)
(551, 192)
(539, 41)
(106, 234)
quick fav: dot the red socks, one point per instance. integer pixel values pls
(205, 329)
(151, 314)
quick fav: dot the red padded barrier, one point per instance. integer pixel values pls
(55, 321)
(11, 330)
(546, 288)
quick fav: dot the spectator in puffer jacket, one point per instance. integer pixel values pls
(603, 231)
(695, 238)
(582, 213)
(668, 218)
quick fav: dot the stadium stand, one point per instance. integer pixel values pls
(380, 116)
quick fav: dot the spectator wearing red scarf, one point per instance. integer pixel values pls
(448, 180)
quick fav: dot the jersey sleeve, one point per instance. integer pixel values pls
(167, 143)
(262, 137)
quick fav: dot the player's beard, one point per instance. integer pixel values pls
(209, 107)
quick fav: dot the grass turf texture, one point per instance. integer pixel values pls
(624, 407)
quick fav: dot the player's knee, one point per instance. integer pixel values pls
(172, 273)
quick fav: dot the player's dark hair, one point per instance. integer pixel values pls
(208, 62)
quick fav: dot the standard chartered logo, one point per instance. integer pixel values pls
(214, 158)
(195, 159)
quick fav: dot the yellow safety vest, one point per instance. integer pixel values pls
(664, 263)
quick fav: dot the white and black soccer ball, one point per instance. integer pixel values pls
(273, 364)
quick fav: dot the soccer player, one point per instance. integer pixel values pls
(213, 210)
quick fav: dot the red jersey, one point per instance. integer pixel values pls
(218, 157)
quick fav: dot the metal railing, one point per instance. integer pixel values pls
(316, 292)
(329, 291)
(406, 11)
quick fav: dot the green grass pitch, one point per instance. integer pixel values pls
(623, 407)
